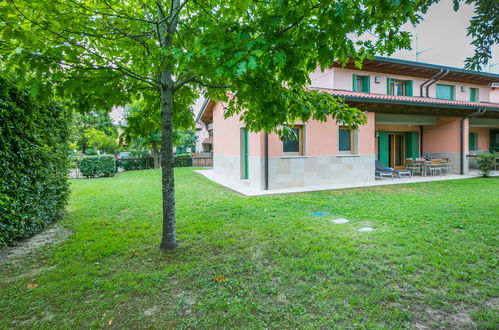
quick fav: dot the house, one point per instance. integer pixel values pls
(413, 109)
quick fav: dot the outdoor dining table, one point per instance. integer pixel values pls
(426, 165)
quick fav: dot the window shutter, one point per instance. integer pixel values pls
(366, 85)
(354, 83)
(383, 147)
(408, 88)
(389, 87)
(412, 145)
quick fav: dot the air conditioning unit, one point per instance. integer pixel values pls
(495, 85)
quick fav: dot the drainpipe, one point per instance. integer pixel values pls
(474, 114)
(427, 81)
(446, 72)
(266, 161)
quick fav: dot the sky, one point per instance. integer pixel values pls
(442, 37)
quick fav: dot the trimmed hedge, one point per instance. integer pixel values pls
(182, 160)
(132, 164)
(93, 166)
(34, 163)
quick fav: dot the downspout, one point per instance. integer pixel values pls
(474, 114)
(446, 72)
(266, 161)
(427, 81)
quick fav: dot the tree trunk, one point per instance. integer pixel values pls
(168, 240)
(155, 155)
(167, 29)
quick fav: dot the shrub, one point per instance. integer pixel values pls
(93, 166)
(485, 162)
(138, 160)
(34, 163)
(182, 160)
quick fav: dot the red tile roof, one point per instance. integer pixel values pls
(415, 99)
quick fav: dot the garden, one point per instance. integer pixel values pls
(260, 262)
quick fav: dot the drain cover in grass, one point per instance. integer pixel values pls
(319, 214)
(366, 229)
(340, 220)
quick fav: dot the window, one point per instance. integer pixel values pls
(445, 92)
(361, 83)
(345, 139)
(399, 87)
(474, 95)
(294, 144)
(473, 141)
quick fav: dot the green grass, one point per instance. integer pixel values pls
(431, 260)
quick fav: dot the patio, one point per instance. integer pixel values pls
(243, 188)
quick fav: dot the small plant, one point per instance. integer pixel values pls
(486, 161)
(93, 166)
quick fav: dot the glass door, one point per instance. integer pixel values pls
(396, 150)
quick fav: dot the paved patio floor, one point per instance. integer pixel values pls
(243, 187)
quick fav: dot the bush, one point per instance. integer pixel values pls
(93, 166)
(182, 160)
(138, 160)
(34, 163)
(485, 162)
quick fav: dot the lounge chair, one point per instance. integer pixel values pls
(382, 170)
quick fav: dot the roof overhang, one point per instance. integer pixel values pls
(422, 70)
(206, 113)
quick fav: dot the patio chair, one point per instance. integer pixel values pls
(415, 168)
(435, 166)
(381, 168)
(446, 165)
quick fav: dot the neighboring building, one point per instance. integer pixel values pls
(204, 132)
(413, 109)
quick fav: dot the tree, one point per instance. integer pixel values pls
(258, 53)
(96, 120)
(184, 138)
(99, 140)
(143, 121)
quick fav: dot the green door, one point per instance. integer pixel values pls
(244, 154)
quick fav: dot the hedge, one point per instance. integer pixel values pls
(182, 160)
(34, 163)
(93, 166)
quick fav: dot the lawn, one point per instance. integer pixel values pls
(261, 262)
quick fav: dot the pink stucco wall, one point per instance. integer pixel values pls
(227, 138)
(445, 136)
(367, 136)
(321, 139)
(483, 137)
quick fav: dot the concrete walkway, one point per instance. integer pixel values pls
(243, 187)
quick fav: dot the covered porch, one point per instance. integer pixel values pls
(408, 127)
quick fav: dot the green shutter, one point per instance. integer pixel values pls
(408, 88)
(354, 83)
(445, 92)
(412, 145)
(473, 92)
(389, 86)
(472, 142)
(366, 84)
(383, 147)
